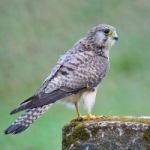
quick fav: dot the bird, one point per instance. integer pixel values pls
(74, 78)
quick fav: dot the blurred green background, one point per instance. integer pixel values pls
(34, 33)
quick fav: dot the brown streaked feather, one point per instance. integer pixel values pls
(77, 77)
(81, 68)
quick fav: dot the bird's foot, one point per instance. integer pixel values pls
(88, 117)
(79, 118)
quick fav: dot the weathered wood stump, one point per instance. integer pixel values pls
(108, 133)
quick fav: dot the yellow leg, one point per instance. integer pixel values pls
(81, 118)
(77, 110)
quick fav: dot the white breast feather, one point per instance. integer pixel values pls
(89, 100)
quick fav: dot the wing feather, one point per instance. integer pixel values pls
(44, 99)
(72, 73)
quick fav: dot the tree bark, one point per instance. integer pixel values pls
(107, 133)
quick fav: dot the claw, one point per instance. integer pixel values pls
(91, 117)
(81, 118)
(88, 117)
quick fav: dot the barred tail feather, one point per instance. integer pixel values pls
(26, 119)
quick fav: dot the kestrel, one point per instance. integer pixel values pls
(76, 76)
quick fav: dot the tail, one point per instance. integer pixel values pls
(26, 119)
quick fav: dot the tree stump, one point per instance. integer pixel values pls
(107, 133)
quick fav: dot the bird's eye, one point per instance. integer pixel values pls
(107, 31)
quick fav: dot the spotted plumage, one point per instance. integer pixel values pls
(26, 119)
(76, 76)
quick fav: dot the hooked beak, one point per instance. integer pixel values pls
(115, 36)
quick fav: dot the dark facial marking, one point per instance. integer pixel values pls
(106, 31)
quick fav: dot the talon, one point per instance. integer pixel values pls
(80, 118)
(84, 118)
(90, 117)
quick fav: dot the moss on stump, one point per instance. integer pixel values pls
(108, 133)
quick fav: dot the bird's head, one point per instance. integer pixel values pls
(103, 35)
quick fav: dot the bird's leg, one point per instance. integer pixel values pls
(77, 109)
(88, 100)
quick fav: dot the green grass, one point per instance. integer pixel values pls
(33, 34)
